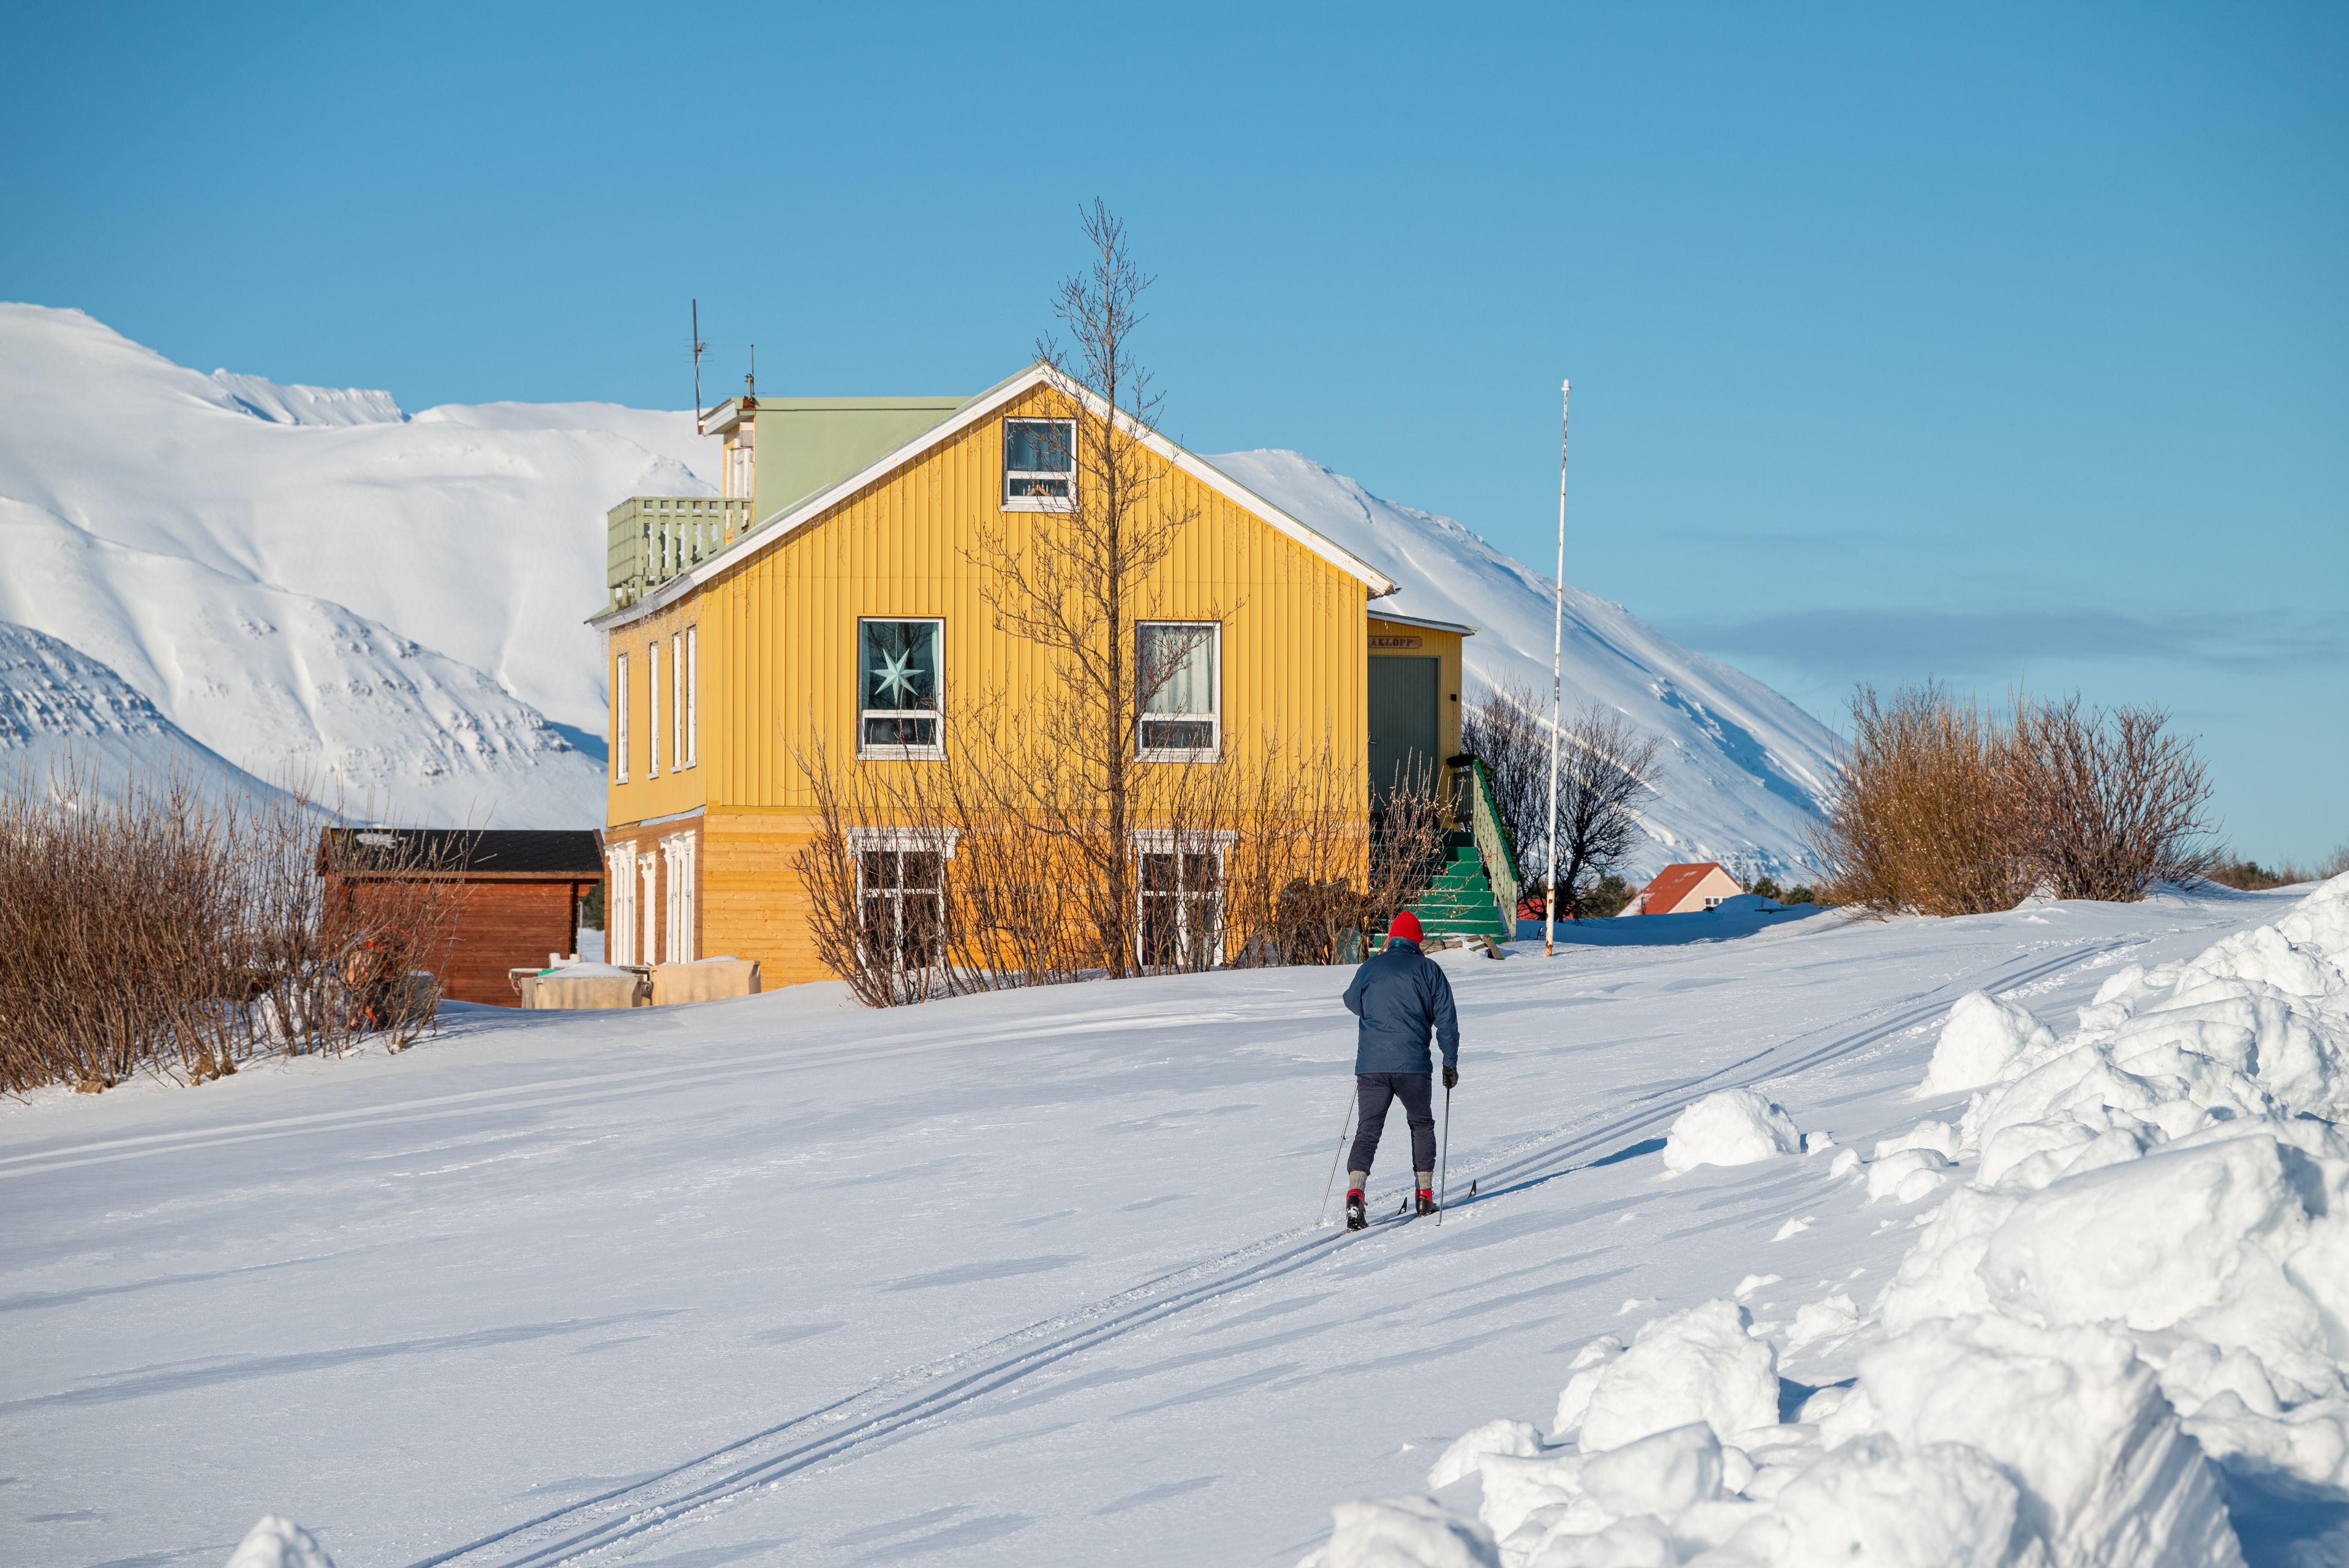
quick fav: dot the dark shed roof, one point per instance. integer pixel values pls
(563, 854)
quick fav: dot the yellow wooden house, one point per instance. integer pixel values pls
(829, 593)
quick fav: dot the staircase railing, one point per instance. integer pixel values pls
(1494, 840)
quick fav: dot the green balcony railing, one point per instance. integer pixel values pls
(650, 539)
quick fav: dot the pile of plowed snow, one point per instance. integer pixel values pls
(2122, 1340)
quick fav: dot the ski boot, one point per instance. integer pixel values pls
(1358, 1215)
(1426, 1202)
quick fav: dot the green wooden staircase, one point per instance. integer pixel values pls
(1461, 901)
(1476, 891)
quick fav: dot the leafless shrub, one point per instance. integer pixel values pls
(1944, 809)
(1920, 819)
(1605, 773)
(947, 877)
(2105, 804)
(157, 928)
(2231, 869)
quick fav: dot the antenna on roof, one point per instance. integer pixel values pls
(750, 382)
(699, 348)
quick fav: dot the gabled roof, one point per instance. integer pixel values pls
(1674, 883)
(554, 854)
(769, 532)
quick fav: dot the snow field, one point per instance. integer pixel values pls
(1009, 1279)
(2120, 1341)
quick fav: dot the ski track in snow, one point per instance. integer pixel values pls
(712, 1480)
(932, 1284)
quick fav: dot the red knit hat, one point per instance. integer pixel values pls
(1406, 925)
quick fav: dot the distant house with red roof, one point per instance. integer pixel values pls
(1689, 888)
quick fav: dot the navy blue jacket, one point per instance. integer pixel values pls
(1400, 995)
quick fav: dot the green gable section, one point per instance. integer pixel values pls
(810, 444)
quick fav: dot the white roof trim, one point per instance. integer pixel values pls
(1424, 621)
(782, 525)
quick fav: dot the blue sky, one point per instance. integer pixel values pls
(1999, 342)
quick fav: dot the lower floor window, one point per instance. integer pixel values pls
(1182, 914)
(901, 901)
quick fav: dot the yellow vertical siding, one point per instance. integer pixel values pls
(778, 648)
(1444, 647)
(675, 789)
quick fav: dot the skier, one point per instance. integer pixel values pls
(1400, 995)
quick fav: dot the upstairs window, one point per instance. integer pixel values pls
(1177, 682)
(692, 696)
(652, 708)
(620, 699)
(1039, 464)
(897, 671)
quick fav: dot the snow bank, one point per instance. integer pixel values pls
(1981, 1038)
(1405, 1533)
(1695, 1365)
(1734, 1127)
(2130, 1315)
(279, 1542)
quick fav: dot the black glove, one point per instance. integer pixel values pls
(1451, 1076)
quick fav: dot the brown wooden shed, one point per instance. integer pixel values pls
(519, 901)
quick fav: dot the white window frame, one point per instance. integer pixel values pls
(676, 701)
(692, 696)
(1167, 841)
(620, 699)
(652, 708)
(1213, 749)
(936, 750)
(1012, 476)
(620, 903)
(901, 841)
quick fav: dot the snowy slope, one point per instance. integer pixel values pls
(308, 574)
(66, 720)
(1743, 765)
(1034, 1282)
(477, 532)
(296, 689)
(308, 582)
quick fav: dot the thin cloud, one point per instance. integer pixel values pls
(1835, 641)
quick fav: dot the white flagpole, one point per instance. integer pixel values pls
(1556, 679)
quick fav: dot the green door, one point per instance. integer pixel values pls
(1402, 722)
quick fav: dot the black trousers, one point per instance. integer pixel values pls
(1375, 1092)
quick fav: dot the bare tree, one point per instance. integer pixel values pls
(1606, 772)
(1075, 580)
(1503, 729)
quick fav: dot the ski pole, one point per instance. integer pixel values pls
(1444, 1160)
(1344, 1123)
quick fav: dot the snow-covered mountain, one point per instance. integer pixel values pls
(1742, 764)
(68, 721)
(307, 581)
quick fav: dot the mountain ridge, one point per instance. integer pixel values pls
(314, 579)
